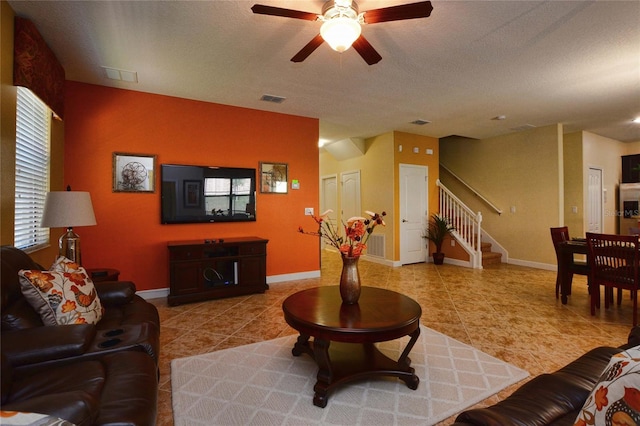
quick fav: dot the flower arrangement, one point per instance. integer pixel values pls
(356, 232)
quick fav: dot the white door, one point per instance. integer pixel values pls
(329, 198)
(413, 212)
(594, 200)
(350, 199)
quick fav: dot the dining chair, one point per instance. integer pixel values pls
(558, 236)
(614, 263)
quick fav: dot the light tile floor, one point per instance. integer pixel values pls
(507, 311)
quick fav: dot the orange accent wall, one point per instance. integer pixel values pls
(100, 121)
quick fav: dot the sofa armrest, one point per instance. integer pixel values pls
(41, 344)
(115, 292)
(634, 338)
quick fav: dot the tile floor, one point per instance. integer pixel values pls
(507, 311)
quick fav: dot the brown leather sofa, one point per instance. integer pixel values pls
(88, 374)
(549, 399)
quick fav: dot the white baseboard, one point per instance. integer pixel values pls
(537, 265)
(292, 277)
(156, 293)
(378, 260)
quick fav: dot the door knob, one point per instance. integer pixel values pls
(404, 220)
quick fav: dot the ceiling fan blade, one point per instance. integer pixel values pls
(398, 13)
(308, 49)
(366, 50)
(287, 13)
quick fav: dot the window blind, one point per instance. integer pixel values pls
(33, 123)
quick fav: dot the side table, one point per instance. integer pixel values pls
(103, 274)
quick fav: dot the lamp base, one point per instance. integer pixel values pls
(69, 246)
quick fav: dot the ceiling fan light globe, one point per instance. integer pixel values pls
(340, 32)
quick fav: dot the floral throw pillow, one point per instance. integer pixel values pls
(615, 400)
(63, 295)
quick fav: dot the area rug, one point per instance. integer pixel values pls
(264, 384)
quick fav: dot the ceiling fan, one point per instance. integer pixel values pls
(342, 22)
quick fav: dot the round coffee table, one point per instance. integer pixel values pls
(344, 335)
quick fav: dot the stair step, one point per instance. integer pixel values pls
(491, 258)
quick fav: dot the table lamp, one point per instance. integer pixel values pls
(66, 209)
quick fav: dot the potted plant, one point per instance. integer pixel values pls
(437, 230)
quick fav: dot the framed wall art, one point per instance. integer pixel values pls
(273, 178)
(133, 172)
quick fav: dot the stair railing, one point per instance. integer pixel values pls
(467, 223)
(476, 193)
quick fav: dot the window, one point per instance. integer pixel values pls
(227, 196)
(33, 122)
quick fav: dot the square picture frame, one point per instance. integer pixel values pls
(192, 194)
(273, 178)
(134, 172)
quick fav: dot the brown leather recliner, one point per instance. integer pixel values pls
(128, 322)
(88, 374)
(119, 388)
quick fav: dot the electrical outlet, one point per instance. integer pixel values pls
(453, 243)
(308, 211)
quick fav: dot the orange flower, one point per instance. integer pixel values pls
(76, 277)
(40, 279)
(68, 306)
(601, 398)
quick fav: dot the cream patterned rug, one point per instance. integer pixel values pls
(264, 384)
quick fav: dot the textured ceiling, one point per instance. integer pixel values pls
(535, 62)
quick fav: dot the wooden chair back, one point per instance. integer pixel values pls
(614, 261)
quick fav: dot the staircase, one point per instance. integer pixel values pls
(489, 258)
(468, 231)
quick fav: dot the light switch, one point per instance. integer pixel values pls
(574, 209)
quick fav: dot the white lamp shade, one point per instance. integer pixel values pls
(65, 209)
(340, 32)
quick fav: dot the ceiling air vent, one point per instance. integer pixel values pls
(420, 122)
(273, 98)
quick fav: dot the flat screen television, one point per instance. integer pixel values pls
(207, 194)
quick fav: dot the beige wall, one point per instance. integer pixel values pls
(520, 170)
(604, 153)
(8, 153)
(376, 182)
(574, 202)
(631, 148)
(379, 177)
